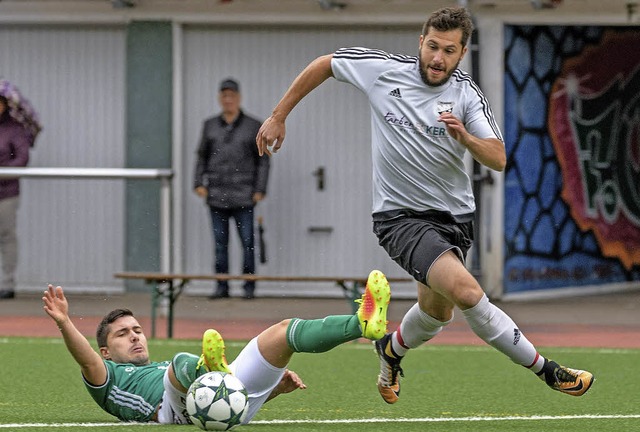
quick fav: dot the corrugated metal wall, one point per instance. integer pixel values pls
(70, 231)
(329, 129)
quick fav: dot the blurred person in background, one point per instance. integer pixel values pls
(14, 152)
(232, 178)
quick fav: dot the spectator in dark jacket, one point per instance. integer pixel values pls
(14, 152)
(232, 178)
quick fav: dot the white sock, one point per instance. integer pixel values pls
(416, 328)
(498, 330)
(537, 364)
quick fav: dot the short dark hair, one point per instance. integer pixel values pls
(4, 100)
(450, 18)
(103, 328)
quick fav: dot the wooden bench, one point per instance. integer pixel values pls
(169, 286)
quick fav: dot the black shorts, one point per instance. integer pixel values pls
(416, 241)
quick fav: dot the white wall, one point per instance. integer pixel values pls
(70, 231)
(330, 128)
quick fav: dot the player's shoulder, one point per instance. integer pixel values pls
(462, 77)
(463, 80)
(362, 54)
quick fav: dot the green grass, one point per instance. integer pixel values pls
(482, 389)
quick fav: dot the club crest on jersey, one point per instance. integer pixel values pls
(594, 127)
(444, 107)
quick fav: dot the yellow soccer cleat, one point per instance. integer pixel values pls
(573, 382)
(213, 357)
(372, 312)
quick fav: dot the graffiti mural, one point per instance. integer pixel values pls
(572, 133)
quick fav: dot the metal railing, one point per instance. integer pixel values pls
(164, 175)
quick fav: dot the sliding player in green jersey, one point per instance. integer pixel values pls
(126, 384)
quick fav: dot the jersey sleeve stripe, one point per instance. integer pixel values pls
(462, 76)
(368, 54)
(130, 400)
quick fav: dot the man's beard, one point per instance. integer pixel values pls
(425, 78)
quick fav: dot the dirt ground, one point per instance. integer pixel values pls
(608, 321)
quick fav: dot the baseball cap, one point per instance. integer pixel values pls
(229, 84)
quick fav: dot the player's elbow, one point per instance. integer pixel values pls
(497, 159)
(500, 164)
(497, 163)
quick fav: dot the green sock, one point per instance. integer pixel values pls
(321, 335)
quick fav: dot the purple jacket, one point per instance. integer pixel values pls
(14, 152)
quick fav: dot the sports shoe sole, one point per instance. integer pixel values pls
(374, 303)
(213, 356)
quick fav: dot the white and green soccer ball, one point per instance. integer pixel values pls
(217, 401)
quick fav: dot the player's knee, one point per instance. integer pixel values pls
(468, 296)
(438, 311)
(184, 367)
(284, 324)
(444, 315)
(278, 330)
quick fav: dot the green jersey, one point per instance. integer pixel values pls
(131, 393)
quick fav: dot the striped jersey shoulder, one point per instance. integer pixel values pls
(357, 53)
(464, 77)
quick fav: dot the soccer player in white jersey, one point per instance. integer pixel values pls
(126, 384)
(426, 114)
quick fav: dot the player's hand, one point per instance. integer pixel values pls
(270, 136)
(290, 381)
(454, 126)
(55, 304)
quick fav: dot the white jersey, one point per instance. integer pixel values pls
(417, 165)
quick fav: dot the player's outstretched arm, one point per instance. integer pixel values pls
(271, 135)
(91, 364)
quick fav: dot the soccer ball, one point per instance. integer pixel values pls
(217, 401)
